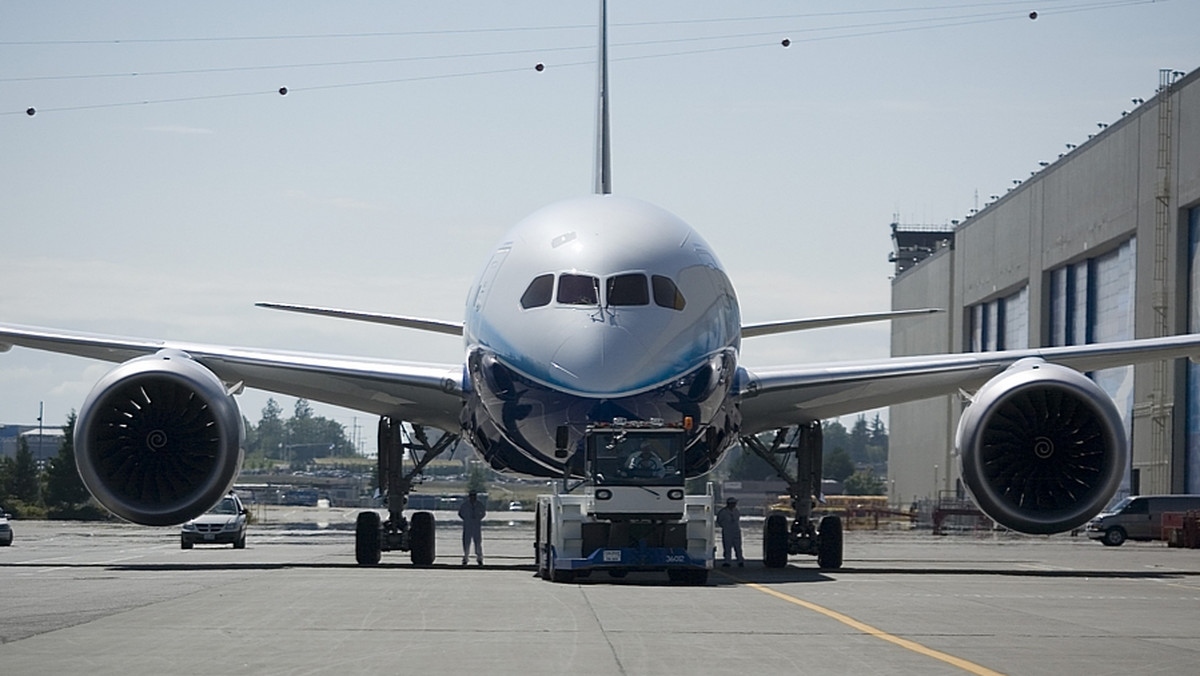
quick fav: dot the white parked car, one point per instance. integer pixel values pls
(225, 523)
(6, 534)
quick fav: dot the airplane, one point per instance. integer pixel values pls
(589, 310)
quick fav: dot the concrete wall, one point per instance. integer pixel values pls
(919, 432)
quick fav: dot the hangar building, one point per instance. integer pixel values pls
(1102, 244)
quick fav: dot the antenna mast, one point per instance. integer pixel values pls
(603, 158)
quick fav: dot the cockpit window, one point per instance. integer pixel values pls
(627, 290)
(666, 294)
(578, 290)
(540, 290)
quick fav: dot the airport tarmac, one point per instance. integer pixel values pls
(83, 598)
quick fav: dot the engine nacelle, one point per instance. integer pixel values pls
(1041, 448)
(159, 439)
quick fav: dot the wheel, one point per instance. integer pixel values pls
(240, 543)
(421, 545)
(184, 544)
(775, 541)
(366, 539)
(692, 576)
(539, 556)
(1114, 537)
(557, 575)
(829, 543)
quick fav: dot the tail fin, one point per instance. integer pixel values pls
(603, 158)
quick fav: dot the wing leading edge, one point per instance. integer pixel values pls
(771, 328)
(429, 394)
(421, 324)
(777, 397)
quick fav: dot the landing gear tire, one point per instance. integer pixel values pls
(557, 575)
(695, 577)
(1114, 537)
(564, 576)
(539, 556)
(829, 543)
(422, 549)
(775, 541)
(367, 549)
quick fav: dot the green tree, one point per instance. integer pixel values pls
(834, 435)
(860, 436)
(316, 433)
(302, 410)
(64, 488)
(477, 479)
(269, 434)
(878, 433)
(24, 484)
(6, 470)
(304, 435)
(837, 465)
(745, 465)
(864, 482)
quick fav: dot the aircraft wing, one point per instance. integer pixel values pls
(429, 394)
(434, 325)
(780, 396)
(770, 328)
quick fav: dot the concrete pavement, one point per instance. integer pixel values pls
(119, 599)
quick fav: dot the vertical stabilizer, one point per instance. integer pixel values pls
(603, 158)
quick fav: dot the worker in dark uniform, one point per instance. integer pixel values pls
(730, 521)
(472, 512)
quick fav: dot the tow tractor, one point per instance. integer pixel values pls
(629, 512)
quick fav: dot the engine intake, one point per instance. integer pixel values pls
(1042, 448)
(159, 439)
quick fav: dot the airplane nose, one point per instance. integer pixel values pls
(606, 359)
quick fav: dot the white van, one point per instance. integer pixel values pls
(1138, 517)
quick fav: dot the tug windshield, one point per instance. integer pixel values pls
(633, 458)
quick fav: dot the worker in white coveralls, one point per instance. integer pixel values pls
(472, 512)
(730, 521)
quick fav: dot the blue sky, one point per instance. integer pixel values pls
(164, 185)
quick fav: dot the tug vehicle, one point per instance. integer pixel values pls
(629, 511)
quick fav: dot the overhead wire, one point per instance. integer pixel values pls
(512, 29)
(810, 34)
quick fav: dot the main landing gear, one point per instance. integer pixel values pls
(802, 536)
(372, 534)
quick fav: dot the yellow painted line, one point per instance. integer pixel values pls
(879, 633)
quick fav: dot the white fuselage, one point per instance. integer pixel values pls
(595, 308)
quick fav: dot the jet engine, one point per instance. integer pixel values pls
(159, 439)
(1041, 448)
